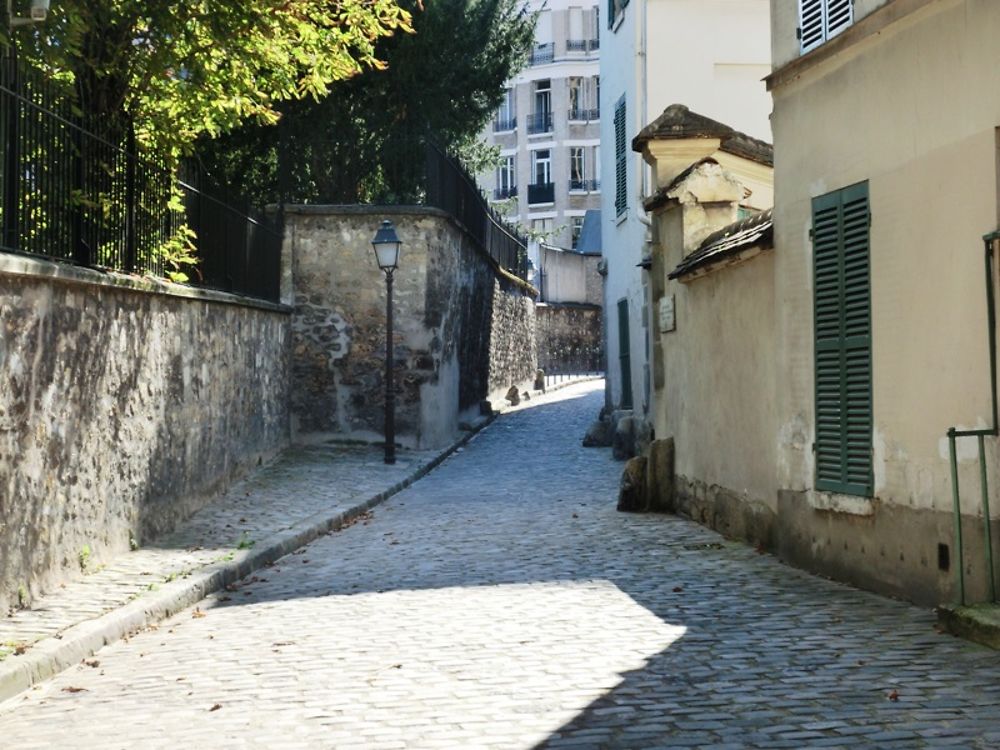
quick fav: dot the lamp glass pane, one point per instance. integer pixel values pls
(387, 254)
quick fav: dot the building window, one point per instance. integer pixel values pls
(543, 51)
(616, 9)
(843, 341)
(575, 227)
(541, 190)
(577, 107)
(506, 178)
(542, 166)
(506, 119)
(577, 174)
(621, 162)
(541, 118)
(820, 20)
(542, 229)
(596, 161)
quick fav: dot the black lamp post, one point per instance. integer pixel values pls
(386, 245)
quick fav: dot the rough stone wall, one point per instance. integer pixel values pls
(458, 330)
(122, 410)
(569, 337)
(513, 361)
(594, 281)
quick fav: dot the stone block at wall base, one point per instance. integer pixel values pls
(660, 476)
(632, 491)
(731, 514)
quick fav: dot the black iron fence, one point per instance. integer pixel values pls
(563, 360)
(450, 187)
(539, 122)
(542, 54)
(81, 190)
(504, 124)
(542, 192)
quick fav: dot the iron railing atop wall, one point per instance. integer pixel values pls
(79, 190)
(450, 187)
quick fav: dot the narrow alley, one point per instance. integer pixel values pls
(502, 602)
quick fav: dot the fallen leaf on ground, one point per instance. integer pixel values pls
(72, 689)
(197, 613)
(678, 589)
(216, 707)
(893, 696)
(93, 663)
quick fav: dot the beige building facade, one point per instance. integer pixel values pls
(900, 104)
(817, 382)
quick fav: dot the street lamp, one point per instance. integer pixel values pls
(386, 245)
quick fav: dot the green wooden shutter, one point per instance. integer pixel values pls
(621, 154)
(842, 318)
(624, 354)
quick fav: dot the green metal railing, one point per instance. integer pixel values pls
(989, 242)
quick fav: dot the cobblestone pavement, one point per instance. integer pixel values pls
(502, 602)
(322, 478)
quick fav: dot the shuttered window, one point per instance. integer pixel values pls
(842, 317)
(621, 163)
(820, 20)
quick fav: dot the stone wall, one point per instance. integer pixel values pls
(569, 337)
(124, 406)
(462, 329)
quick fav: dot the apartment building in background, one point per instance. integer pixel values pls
(548, 130)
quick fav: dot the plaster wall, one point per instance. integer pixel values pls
(886, 110)
(125, 405)
(713, 363)
(571, 277)
(461, 330)
(656, 56)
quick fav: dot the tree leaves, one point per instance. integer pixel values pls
(184, 69)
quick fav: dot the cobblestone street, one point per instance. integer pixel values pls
(502, 602)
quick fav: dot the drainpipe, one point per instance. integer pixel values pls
(989, 241)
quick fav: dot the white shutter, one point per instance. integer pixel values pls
(811, 23)
(839, 15)
(576, 24)
(543, 28)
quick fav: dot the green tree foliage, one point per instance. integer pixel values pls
(360, 142)
(185, 69)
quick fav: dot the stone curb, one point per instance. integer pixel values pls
(52, 655)
(979, 623)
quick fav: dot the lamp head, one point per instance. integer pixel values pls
(386, 245)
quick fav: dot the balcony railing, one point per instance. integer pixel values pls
(544, 192)
(584, 186)
(503, 125)
(582, 45)
(539, 122)
(577, 114)
(542, 54)
(502, 193)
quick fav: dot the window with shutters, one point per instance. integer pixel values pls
(843, 341)
(621, 161)
(820, 20)
(616, 10)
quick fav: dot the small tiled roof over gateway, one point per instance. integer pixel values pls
(756, 231)
(677, 121)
